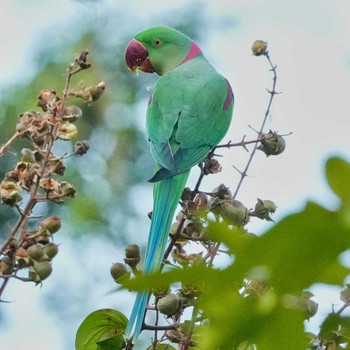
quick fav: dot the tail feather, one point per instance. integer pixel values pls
(166, 196)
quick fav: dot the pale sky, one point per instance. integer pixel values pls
(309, 42)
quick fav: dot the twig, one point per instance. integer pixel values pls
(272, 93)
(46, 151)
(5, 146)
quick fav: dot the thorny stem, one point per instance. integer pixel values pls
(272, 93)
(213, 250)
(243, 173)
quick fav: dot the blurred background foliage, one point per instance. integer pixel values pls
(113, 198)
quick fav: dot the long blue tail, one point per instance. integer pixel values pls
(166, 196)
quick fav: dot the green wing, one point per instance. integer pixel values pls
(189, 113)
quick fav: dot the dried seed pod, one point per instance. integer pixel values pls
(186, 194)
(222, 192)
(47, 98)
(169, 304)
(25, 121)
(259, 48)
(263, 209)
(10, 193)
(272, 144)
(97, 91)
(51, 224)
(67, 131)
(132, 255)
(56, 166)
(235, 212)
(5, 266)
(40, 271)
(81, 60)
(81, 147)
(36, 252)
(118, 271)
(90, 93)
(71, 114)
(51, 250)
(211, 166)
(28, 156)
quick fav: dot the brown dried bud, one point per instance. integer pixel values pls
(56, 166)
(25, 120)
(67, 189)
(24, 173)
(81, 147)
(211, 166)
(259, 48)
(201, 202)
(50, 185)
(82, 58)
(47, 99)
(186, 194)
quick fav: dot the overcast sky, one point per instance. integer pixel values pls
(309, 42)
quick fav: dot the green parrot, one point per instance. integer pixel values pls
(188, 114)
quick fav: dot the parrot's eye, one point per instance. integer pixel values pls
(157, 42)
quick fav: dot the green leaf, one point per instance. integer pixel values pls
(159, 280)
(102, 330)
(161, 347)
(338, 176)
(298, 251)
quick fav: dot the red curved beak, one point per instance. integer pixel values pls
(136, 57)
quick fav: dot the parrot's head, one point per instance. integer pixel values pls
(159, 49)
